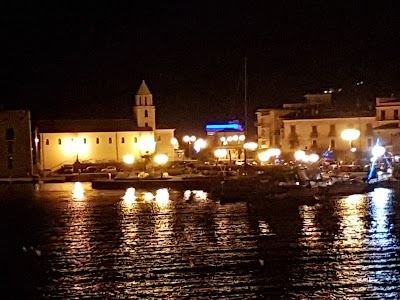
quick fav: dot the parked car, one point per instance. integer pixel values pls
(109, 169)
(91, 169)
(67, 169)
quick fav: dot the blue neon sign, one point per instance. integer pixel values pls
(226, 126)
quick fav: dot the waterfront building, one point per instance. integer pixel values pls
(229, 136)
(15, 144)
(63, 142)
(316, 125)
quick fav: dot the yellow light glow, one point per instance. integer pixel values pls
(223, 139)
(235, 138)
(162, 196)
(186, 139)
(129, 196)
(242, 138)
(200, 143)
(263, 156)
(146, 144)
(128, 159)
(161, 159)
(350, 134)
(220, 153)
(250, 146)
(78, 193)
(229, 139)
(314, 157)
(274, 152)
(75, 146)
(148, 196)
(299, 154)
(174, 141)
(192, 138)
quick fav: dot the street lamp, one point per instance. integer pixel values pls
(189, 140)
(263, 156)
(350, 135)
(128, 159)
(175, 143)
(161, 159)
(199, 144)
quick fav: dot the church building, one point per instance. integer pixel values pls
(60, 142)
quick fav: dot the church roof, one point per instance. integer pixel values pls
(143, 89)
(91, 125)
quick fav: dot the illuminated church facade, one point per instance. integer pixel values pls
(60, 142)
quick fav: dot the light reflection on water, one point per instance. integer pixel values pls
(182, 245)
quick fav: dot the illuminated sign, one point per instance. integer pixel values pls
(226, 126)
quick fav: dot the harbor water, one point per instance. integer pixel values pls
(68, 241)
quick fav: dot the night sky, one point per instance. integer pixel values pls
(87, 60)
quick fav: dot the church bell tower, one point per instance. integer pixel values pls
(144, 110)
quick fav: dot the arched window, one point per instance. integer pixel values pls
(333, 144)
(146, 124)
(122, 140)
(145, 100)
(47, 142)
(10, 136)
(59, 141)
(110, 140)
(97, 141)
(84, 140)
(135, 140)
(146, 114)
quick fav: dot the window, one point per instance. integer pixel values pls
(110, 140)
(314, 143)
(314, 129)
(145, 100)
(293, 128)
(47, 142)
(59, 141)
(84, 140)
(122, 140)
(146, 114)
(97, 141)
(159, 138)
(396, 114)
(383, 115)
(135, 140)
(10, 136)
(369, 142)
(146, 124)
(332, 145)
(369, 129)
(333, 127)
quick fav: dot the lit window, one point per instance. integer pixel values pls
(10, 136)
(110, 140)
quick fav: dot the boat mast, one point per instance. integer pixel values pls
(245, 96)
(245, 113)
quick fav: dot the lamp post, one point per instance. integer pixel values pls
(189, 140)
(350, 135)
